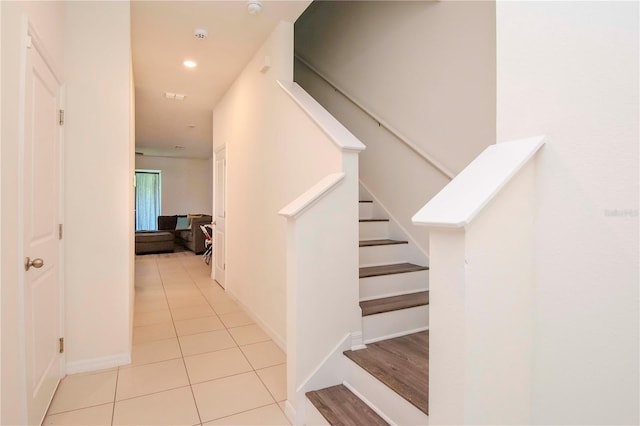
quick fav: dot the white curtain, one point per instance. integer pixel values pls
(147, 200)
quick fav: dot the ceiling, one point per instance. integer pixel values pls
(162, 37)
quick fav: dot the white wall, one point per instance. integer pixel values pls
(1, 371)
(570, 70)
(426, 68)
(498, 267)
(273, 155)
(98, 184)
(186, 183)
(132, 194)
(481, 284)
(480, 318)
(48, 19)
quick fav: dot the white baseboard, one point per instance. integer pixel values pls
(382, 399)
(312, 416)
(103, 363)
(329, 372)
(277, 339)
(357, 341)
(388, 325)
(369, 403)
(290, 412)
(394, 335)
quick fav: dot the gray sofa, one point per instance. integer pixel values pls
(154, 242)
(192, 237)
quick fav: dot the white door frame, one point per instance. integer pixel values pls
(31, 40)
(220, 153)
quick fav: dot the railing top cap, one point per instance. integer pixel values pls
(311, 196)
(343, 138)
(470, 191)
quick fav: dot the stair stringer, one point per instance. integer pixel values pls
(414, 252)
(330, 372)
(335, 369)
(382, 399)
(313, 417)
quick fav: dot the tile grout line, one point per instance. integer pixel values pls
(118, 369)
(115, 392)
(77, 409)
(151, 393)
(184, 364)
(244, 356)
(265, 385)
(226, 328)
(255, 371)
(219, 319)
(241, 412)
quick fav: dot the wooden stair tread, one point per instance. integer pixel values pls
(370, 243)
(394, 303)
(396, 268)
(402, 364)
(374, 220)
(340, 406)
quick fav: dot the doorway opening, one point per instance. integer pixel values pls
(148, 199)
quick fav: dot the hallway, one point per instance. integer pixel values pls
(197, 359)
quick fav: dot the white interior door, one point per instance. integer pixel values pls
(40, 198)
(220, 213)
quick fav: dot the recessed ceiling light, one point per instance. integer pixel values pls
(190, 64)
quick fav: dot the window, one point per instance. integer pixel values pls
(147, 199)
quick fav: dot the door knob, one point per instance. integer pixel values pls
(36, 263)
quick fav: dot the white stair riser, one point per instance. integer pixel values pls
(374, 230)
(312, 415)
(382, 398)
(382, 255)
(394, 324)
(394, 284)
(366, 210)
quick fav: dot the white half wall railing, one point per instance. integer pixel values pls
(323, 314)
(482, 288)
(441, 168)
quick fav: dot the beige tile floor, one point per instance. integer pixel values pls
(197, 359)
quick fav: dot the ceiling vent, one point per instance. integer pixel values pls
(200, 33)
(174, 96)
(254, 7)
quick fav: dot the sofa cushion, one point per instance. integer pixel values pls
(154, 242)
(186, 235)
(153, 236)
(166, 223)
(183, 222)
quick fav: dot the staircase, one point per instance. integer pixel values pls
(386, 382)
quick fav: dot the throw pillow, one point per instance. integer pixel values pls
(183, 222)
